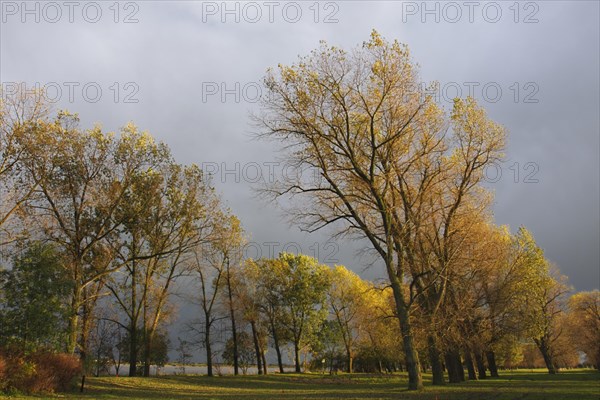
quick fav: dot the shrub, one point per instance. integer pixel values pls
(3, 375)
(39, 371)
(54, 372)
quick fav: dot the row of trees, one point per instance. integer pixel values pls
(402, 173)
(510, 302)
(106, 225)
(99, 225)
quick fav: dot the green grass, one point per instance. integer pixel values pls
(530, 385)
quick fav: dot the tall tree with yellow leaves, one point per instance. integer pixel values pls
(386, 166)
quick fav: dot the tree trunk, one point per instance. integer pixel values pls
(256, 348)
(74, 321)
(87, 320)
(491, 359)
(98, 356)
(264, 359)
(470, 366)
(548, 359)
(480, 365)
(133, 344)
(277, 349)
(350, 364)
(133, 331)
(297, 356)
(350, 360)
(209, 366)
(236, 368)
(454, 367)
(147, 347)
(434, 358)
(415, 380)
(460, 371)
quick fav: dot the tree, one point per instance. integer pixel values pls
(182, 214)
(327, 347)
(584, 319)
(131, 244)
(208, 262)
(268, 276)
(480, 298)
(35, 298)
(444, 203)
(21, 112)
(305, 287)
(159, 351)
(378, 347)
(246, 288)
(80, 178)
(103, 341)
(546, 290)
(351, 302)
(184, 355)
(243, 350)
(164, 215)
(230, 242)
(388, 170)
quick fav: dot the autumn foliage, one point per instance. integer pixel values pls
(37, 372)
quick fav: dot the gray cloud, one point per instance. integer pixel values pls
(175, 50)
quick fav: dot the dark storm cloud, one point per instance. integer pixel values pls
(180, 58)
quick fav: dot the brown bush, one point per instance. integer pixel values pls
(3, 376)
(38, 372)
(55, 372)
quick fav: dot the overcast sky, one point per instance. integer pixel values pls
(187, 71)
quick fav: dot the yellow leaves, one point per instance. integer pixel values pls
(473, 126)
(377, 68)
(376, 40)
(288, 74)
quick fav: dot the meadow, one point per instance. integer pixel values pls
(521, 384)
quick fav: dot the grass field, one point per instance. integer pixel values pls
(530, 385)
